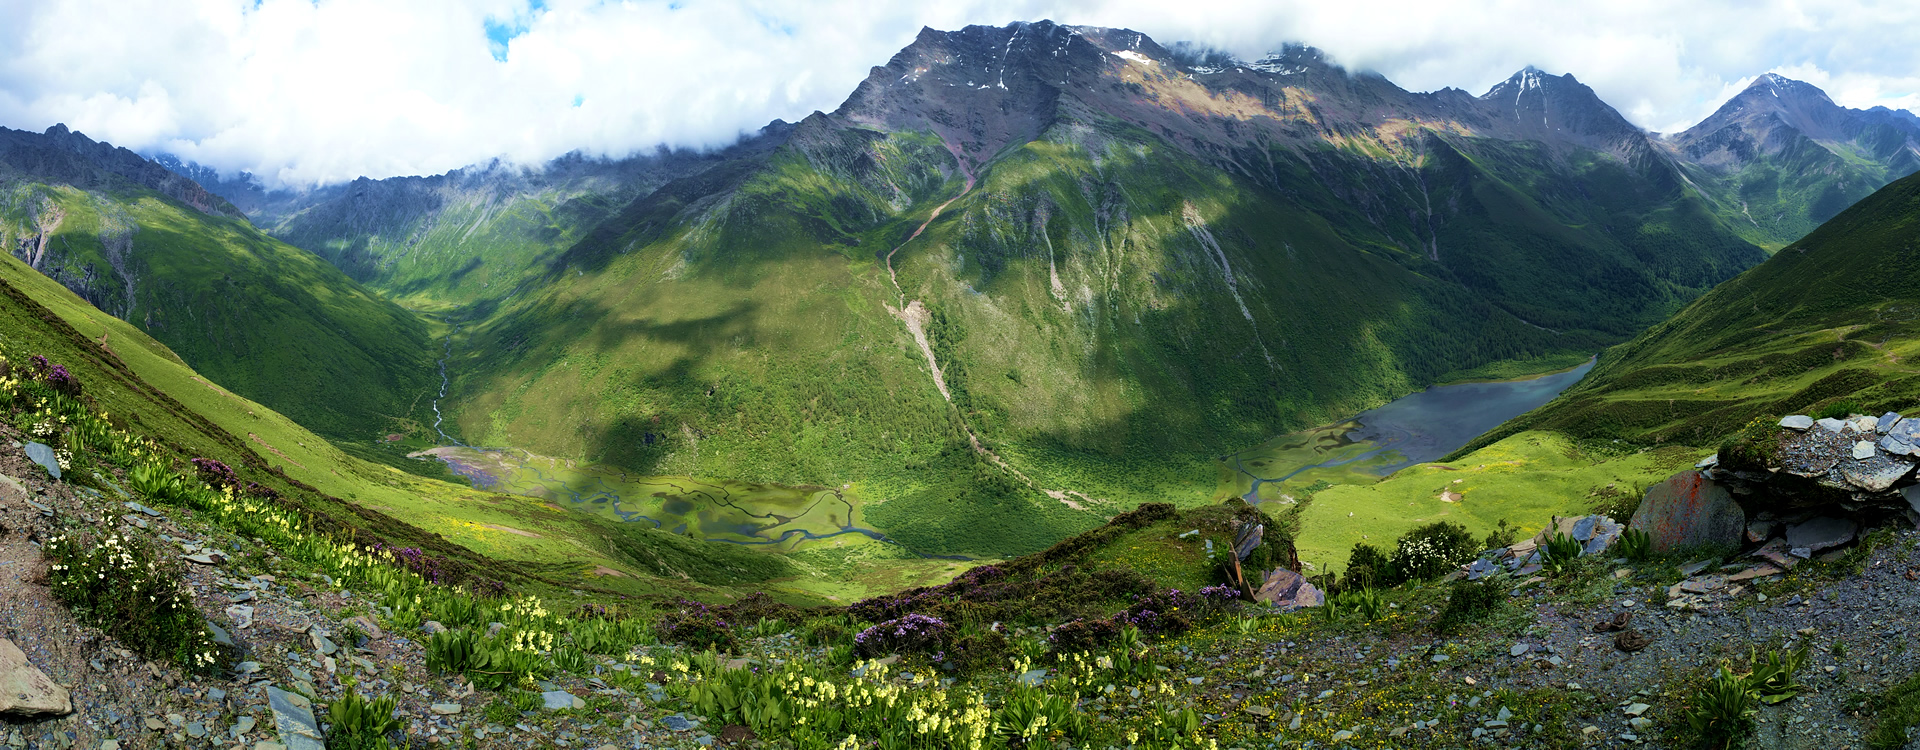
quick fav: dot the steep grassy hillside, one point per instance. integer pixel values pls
(1828, 319)
(264, 318)
(520, 541)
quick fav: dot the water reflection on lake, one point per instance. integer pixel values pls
(1418, 428)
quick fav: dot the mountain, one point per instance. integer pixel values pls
(1830, 319)
(1098, 261)
(1781, 157)
(266, 319)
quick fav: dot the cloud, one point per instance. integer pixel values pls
(303, 92)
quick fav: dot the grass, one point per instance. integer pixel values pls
(1524, 479)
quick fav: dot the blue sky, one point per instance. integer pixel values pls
(303, 92)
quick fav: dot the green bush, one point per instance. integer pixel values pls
(1469, 602)
(1432, 551)
(123, 586)
(1503, 535)
(1368, 567)
(1635, 545)
(361, 724)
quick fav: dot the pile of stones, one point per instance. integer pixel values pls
(1595, 534)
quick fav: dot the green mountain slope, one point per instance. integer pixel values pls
(520, 541)
(1830, 318)
(1127, 276)
(269, 320)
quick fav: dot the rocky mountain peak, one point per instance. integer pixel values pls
(1541, 106)
(65, 156)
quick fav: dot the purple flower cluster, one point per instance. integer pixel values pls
(427, 566)
(913, 633)
(1220, 594)
(216, 473)
(697, 625)
(55, 376)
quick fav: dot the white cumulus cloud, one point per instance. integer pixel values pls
(304, 92)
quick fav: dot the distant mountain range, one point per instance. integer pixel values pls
(1025, 269)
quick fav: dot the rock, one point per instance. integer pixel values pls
(494, 628)
(433, 627)
(155, 724)
(1885, 423)
(1689, 510)
(1912, 496)
(445, 709)
(1863, 449)
(242, 616)
(1896, 445)
(196, 729)
(323, 644)
(366, 625)
(1693, 568)
(293, 716)
(1875, 473)
(243, 726)
(1759, 531)
(1820, 533)
(1833, 425)
(25, 691)
(109, 745)
(556, 700)
(1797, 422)
(205, 558)
(1032, 677)
(1758, 571)
(1519, 649)
(678, 723)
(1863, 424)
(220, 635)
(1288, 590)
(42, 454)
(1708, 462)
(1637, 709)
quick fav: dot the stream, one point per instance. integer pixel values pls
(1419, 427)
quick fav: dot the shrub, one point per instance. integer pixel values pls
(1432, 551)
(1368, 567)
(1470, 601)
(1367, 602)
(696, 625)
(121, 585)
(910, 634)
(1503, 535)
(1754, 447)
(1083, 635)
(1837, 410)
(361, 724)
(216, 473)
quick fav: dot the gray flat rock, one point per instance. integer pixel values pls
(1912, 495)
(445, 709)
(204, 558)
(1832, 425)
(220, 635)
(25, 691)
(555, 700)
(1896, 444)
(1821, 533)
(1885, 423)
(293, 716)
(242, 616)
(1863, 450)
(42, 454)
(1797, 422)
(1876, 473)
(324, 645)
(1708, 462)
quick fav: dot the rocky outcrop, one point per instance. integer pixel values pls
(1859, 469)
(1689, 510)
(61, 155)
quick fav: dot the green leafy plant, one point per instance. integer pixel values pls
(1366, 602)
(361, 724)
(1720, 714)
(1635, 545)
(1503, 535)
(1431, 551)
(1560, 553)
(569, 659)
(1772, 678)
